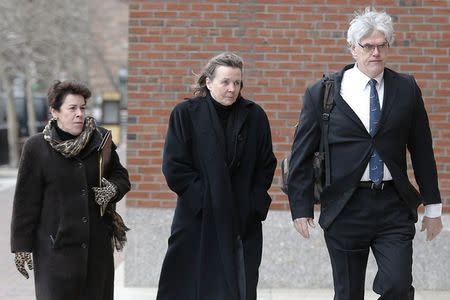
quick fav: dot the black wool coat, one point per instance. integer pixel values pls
(215, 246)
(55, 217)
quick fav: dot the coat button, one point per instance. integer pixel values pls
(84, 219)
(83, 192)
(83, 245)
(80, 165)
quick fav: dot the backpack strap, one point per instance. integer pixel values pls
(328, 104)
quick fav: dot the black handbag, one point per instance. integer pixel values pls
(321, 160)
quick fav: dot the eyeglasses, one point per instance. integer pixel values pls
(369, 48)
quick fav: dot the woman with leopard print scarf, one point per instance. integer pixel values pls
(57, 226)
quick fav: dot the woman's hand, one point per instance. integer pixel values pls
(22, 258)
(105, 193)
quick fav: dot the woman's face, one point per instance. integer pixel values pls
(226, 84)
(71, 114)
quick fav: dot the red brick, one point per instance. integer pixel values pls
(286, 47)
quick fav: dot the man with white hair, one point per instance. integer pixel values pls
(369, 203)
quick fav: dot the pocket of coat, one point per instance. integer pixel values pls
(193, 197)
(261, 203)
(54, 238)
(52, 241)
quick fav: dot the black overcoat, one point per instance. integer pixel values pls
(403, 127)
(216, 210)
(55, 217)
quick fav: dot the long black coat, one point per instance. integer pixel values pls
(215, 209)
(55, 217)
(403, 126)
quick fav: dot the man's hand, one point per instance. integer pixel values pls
(433, 227)
(301, 225)
(22, 258)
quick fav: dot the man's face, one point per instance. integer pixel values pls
(370, 53)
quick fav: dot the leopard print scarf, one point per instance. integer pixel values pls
(72, 147)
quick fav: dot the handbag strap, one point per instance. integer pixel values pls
(328, 104)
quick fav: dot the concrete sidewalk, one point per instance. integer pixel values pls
(129, 293)
(14, 287)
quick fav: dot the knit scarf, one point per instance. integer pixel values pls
(72, 147)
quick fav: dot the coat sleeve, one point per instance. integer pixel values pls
(181, 175)
(265, 168)
(420, 146)
(301, 173)
(27, 199)
(118, 175)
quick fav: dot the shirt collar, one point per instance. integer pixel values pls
(360, 79)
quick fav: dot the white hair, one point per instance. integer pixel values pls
(367, 22)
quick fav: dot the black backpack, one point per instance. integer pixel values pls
(321, 160)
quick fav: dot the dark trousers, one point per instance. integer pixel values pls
(377, 220)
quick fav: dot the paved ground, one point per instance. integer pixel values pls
(15, 287)
(128, 293)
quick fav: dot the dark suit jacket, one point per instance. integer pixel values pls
(403, 125)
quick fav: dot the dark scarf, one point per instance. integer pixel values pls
(119, 228)
(227, 119)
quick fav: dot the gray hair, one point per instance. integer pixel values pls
(367, 22)
(226, 59)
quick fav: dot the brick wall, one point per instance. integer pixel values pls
(286, 45)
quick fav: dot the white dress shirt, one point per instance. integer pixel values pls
(355, 90)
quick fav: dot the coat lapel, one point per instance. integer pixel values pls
(342, 104)
(214, 120)
(241, 113)
(207, 131)
(390, 93)
(239, 134)
(220, 197)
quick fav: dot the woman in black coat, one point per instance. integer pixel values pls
(218, 159)
(62, 215)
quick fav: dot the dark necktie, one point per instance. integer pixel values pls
(375, 164)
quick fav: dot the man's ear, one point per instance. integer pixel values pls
(208, 83)
(353, 51)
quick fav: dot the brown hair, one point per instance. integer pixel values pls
(226, 59)
(60, 89)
